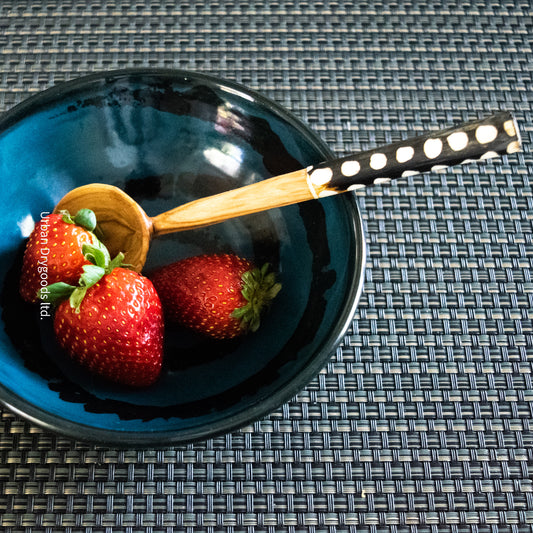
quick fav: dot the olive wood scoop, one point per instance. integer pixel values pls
(127, 228)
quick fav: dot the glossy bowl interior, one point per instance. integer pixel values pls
(168, 137)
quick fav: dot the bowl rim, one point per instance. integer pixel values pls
(251, 413)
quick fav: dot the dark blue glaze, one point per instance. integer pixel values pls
(168, 137)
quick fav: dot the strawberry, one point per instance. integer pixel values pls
(54, 251)
(112, 322)
(219, 295)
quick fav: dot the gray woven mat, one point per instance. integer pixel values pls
(423, 419)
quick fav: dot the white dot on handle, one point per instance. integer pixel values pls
(457, 141)
(489, 155)
(326, 192)
(377, 181)
(355, 186)
(513, 147)
(509, 128)
(321, 176)
(350, 168)
(407, 173)
(436, 168)
(485, 134)
(433, 148)
(404, 154)
(378, 161)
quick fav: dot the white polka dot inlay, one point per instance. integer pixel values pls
(377, 181)
(404, 154)
(486, 134)
(433, 148)
(326, 192)
(350, 168)
(378, 161)
(408, 173)
(321, 176)
(509, 128)
(457, 141)
(513, 147)
(436, 168)
(489, 155)
(355, 186)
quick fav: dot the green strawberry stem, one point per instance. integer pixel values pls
(97, 254)
(101, 264)
(259, 289)
(86, 219)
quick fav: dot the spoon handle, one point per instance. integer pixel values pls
(479, 139)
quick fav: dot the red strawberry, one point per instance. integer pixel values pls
(54, 251)
(220, 295)
(112, 323)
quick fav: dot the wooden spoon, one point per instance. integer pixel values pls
(127, 228)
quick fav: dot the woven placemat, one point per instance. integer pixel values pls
(422, 420)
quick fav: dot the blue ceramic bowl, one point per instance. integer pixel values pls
(168, 137)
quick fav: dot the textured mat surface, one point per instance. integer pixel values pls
(423, 419)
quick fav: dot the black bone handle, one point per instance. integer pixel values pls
(479, 139)
(490, 137)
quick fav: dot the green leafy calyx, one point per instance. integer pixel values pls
(101, 264)
(84, 218)
(260, 287)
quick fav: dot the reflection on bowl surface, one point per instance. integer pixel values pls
(169, 137)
